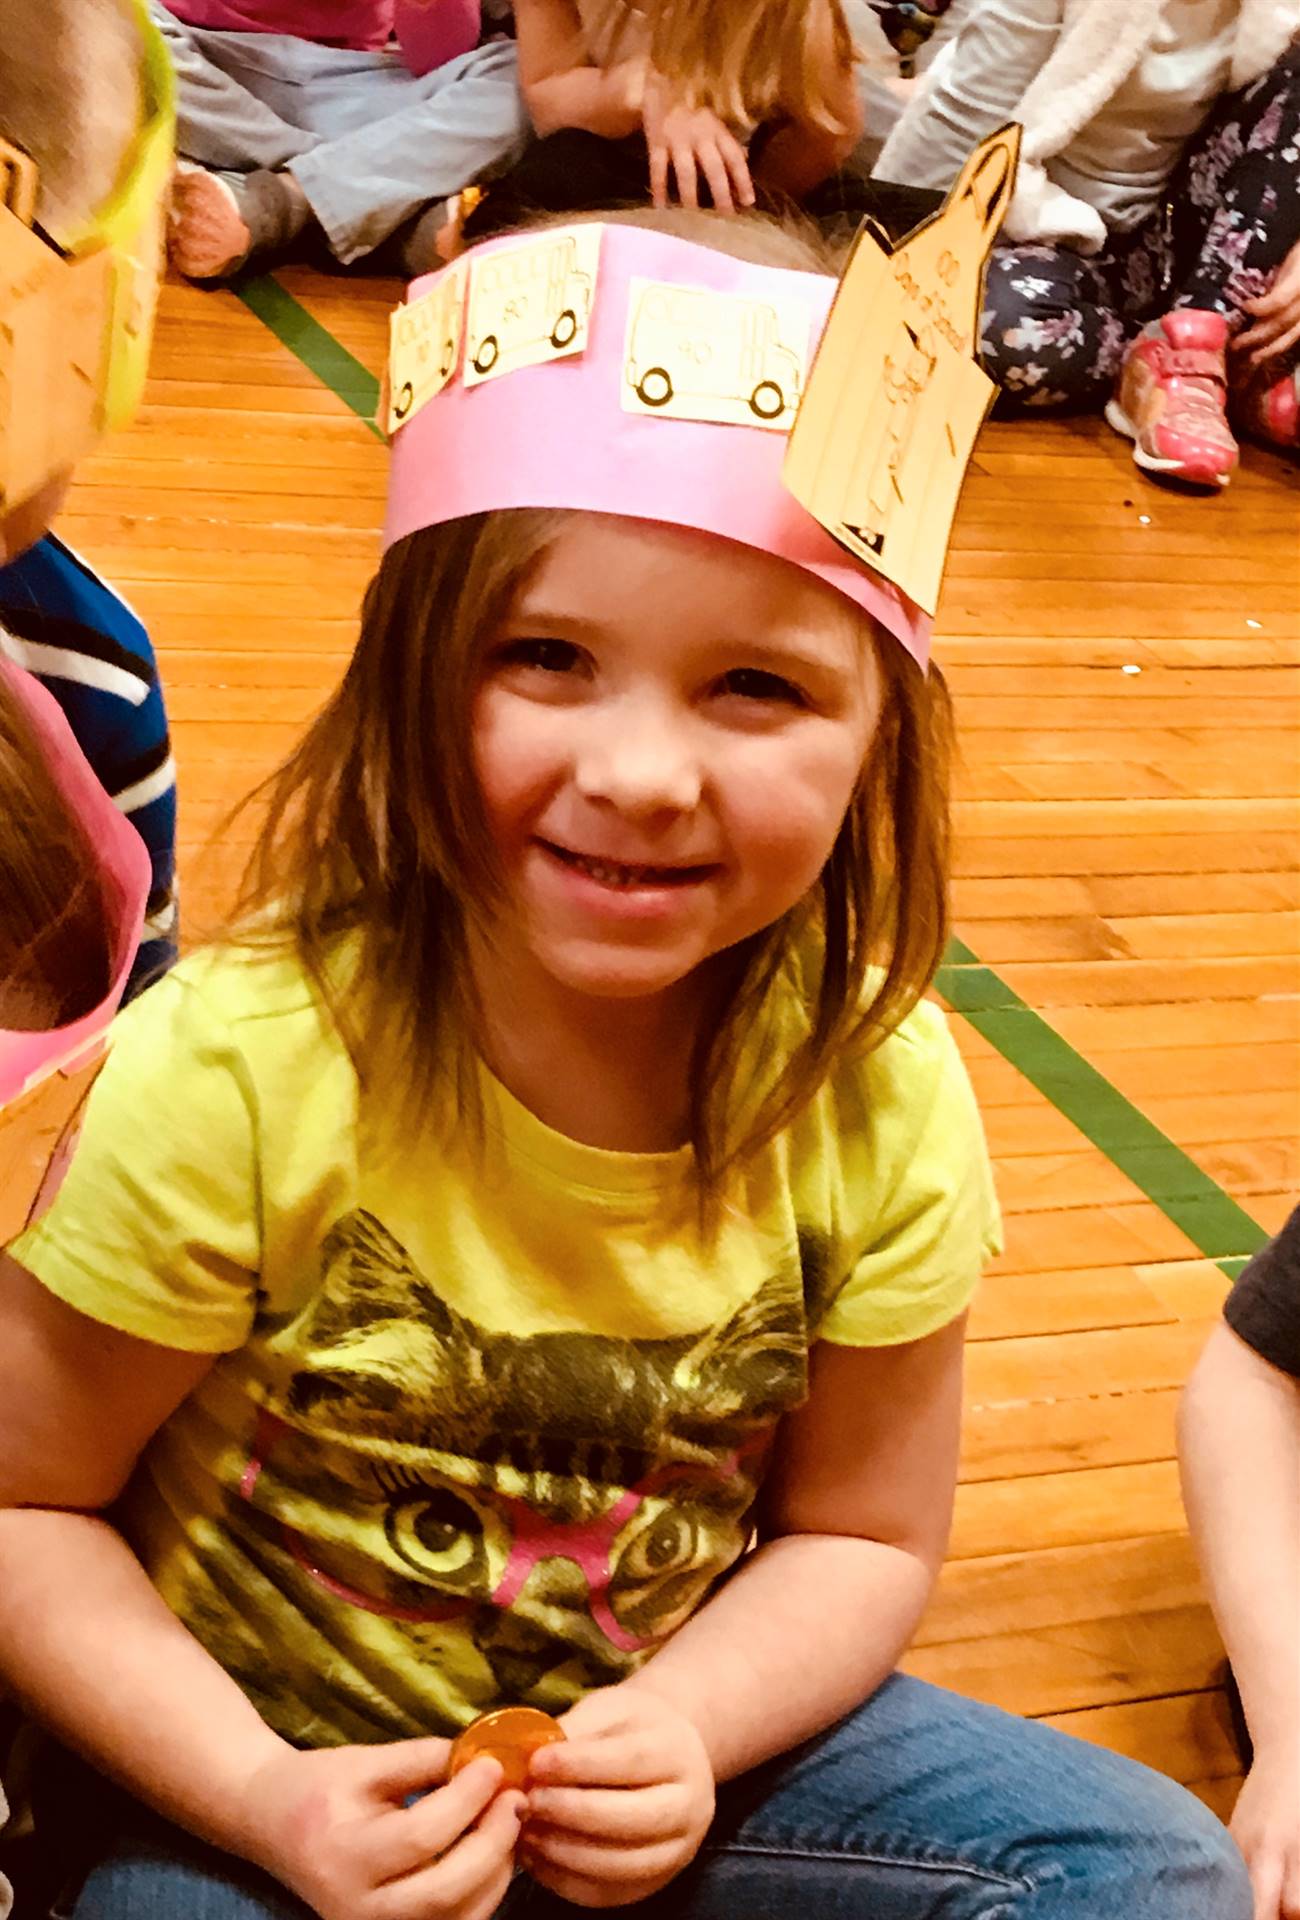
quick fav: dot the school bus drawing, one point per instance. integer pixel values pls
(528, 297)
(688, 344)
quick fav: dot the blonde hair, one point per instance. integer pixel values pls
(56, 956)
(749, 60)
(71, 96)
(375, 829)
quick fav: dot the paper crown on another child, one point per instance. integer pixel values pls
(619, 369)
(26, 1057)
(76, 318)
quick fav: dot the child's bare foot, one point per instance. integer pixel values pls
(218, 224)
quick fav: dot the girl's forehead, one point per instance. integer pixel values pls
(629, 573)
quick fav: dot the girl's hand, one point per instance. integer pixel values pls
(1266, 1826)
(335, 1828)
(617, 1809)
(1276, 324)
(693, 140)
(627, 82)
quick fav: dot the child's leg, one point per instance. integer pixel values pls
(1236, 197)
(231, 137)
(1052, 332)
(219, 122)
(144, 1879)
(396, 142)
(924, 1805)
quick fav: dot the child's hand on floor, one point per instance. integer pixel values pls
(1266, 1826)
(693, 141)
(1275, 317)
(619, 1807)
(335, 1827)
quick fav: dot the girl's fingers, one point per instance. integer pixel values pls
(1257, 340)
(611, 1814)
(737, 164)
(658, 174)
(572, 1887)
(684, 172)
(1260, 343)
(714, 171)
(1266, 1885)
(464, 1874)
(613, 1760)
(410, 1837)
(1276, 300)
(612, 1866)
(410, 1766)
(1287, 340)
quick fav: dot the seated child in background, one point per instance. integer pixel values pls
(303, 123)
(71, 100)
(754, 102)
(1239, 1446)
(1143, 208)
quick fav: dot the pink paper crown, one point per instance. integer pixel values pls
(25, 1057)
(561, 410)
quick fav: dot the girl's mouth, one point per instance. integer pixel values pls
(621, 876)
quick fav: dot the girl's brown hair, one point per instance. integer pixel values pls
(56, 957)
(750, 60)
(375, 829)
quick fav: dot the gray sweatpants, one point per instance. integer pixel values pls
(369, 143)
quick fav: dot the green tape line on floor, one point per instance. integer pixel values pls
(1169, 1178)
(313, 344)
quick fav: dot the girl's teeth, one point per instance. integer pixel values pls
(613, 876)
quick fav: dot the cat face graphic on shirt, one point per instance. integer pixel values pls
(556, 1496)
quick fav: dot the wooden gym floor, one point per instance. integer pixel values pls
(1124, 662)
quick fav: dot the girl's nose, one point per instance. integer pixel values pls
(640, 761)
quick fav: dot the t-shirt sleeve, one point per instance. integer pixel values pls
(938, 1223)
(1263, 1308)
(154, 1229)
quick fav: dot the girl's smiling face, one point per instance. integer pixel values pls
(667, 731)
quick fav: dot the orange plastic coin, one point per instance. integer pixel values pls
(511, 1735)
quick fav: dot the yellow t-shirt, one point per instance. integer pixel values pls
(490, 1415)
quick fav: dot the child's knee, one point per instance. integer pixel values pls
(1143, 1848)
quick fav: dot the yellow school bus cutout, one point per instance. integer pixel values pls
(424, 347)
(532, 302)
(697, 355)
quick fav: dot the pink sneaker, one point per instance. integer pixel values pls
(1171, 398)
(1269, 409)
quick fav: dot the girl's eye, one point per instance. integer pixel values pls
(754, 683)
(545, 656)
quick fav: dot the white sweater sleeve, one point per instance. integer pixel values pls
(974, 84)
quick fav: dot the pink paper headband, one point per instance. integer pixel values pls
(616, 369)
(25, 1057)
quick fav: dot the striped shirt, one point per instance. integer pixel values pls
(83, 643)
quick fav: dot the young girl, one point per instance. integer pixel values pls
(714, 104)
(563, 1189)
(1156, 201)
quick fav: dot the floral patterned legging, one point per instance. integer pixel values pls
(1056, 323)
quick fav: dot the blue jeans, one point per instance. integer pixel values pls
(920, 1806)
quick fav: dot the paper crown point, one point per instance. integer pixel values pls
(897, 396)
